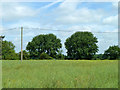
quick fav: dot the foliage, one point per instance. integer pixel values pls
(81, 45)
(98, 57)
(60, 55)
(8, 52)
(48, 44)
(26, 55)
(113, 52)
(45, 56)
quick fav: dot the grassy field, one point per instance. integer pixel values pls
(60, 74)
(0, 74)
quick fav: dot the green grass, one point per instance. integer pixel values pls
(60, 74)
(0, 74)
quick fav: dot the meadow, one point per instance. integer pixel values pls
(60, 74)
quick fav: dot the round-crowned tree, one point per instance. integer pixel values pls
(81, 45)
(8, 52)
(48, 44)
(113, 52)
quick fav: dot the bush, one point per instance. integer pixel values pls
(45, 56)
(98, 57)
(26, 55)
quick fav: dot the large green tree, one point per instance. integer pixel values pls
(48, 44)
(81, 45)
(8, 52)
(113, 52)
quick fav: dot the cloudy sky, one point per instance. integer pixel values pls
(64, 17)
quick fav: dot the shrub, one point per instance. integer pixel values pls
(45, 56)
(26, 55)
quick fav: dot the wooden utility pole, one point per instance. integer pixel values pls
(21, 43)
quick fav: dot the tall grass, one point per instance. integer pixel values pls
(60, 74)
(0, 74)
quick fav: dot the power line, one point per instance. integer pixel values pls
(59, 30)
(7, 30)
(67, 30)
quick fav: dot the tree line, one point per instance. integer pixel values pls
(80, 45)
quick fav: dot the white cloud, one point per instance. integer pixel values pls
(51, 4)
(115, 5)
(55, 0)
(111, 20)
(68, 13)
(13, 11)
(80, 28)
(25, 24)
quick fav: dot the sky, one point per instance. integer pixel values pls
(64, 17)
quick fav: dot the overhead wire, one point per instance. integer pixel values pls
(50, 29)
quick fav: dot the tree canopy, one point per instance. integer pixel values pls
(113, 52)
(48, 44)
(81, 45)
(8, 52)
